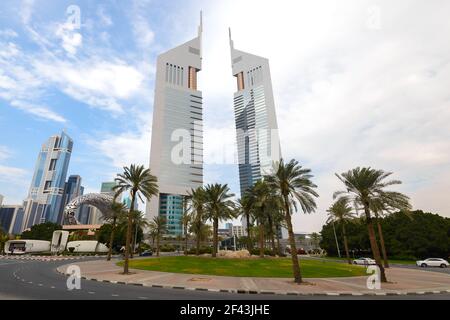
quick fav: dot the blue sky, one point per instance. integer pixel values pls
(365, 83)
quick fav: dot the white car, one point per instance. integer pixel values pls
(364, 261)
(433, 262)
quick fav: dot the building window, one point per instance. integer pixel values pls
(192, 78)
(47, 185)
(52, 165)
(240, 81)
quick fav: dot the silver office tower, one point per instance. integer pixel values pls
(256, 122)
(176, 157)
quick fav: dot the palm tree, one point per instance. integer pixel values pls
(139, 223)
(3, 238)
(293, 183)
(185, 221)
(341, 212)
(118, 210)
(363, 187)
(244, 208)
(197, 199)
(379, 208)
(158, 227)
(137, 180)
(219, 207)
(266, 203)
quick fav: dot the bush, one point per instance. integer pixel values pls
(167, 248)
(267, 252)
(202, 250)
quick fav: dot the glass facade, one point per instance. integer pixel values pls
(171, 208)
(46, 197)
(6, 218)
(107, 187)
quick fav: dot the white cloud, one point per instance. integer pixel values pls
(143, 33)
(8, 33)
(11, 178)
(104, 19)
(97, 83)
(71, 39)
(127, 147)
(346, 94)
(38, 111)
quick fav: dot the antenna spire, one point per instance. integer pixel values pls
(231, 41)
(200, 27)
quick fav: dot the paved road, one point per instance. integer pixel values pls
(39, 280)
(407, 266)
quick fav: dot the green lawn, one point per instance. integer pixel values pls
(267, 267)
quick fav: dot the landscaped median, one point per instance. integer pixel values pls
(320, 280)
(253, 267)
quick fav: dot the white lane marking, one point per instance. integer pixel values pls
(115, 295)
(53, 287)
(142, 298)
(40, 284)
(30, 282)
(91, 292)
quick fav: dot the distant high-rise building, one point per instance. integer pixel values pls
(46, 193)
(238, 231)
(256, 122)
(1, 200)
(107, 187)
(176, 157)
(72, 190)
(11, 219)
(95, 215)
(127, 202)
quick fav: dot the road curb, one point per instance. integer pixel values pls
(266, 292)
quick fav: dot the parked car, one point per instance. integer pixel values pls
(146, 253)
(364, 261)
(433, 262)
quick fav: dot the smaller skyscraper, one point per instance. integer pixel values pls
(95, 215)
(46, 193)
(11, 219)
(1, 200)
(72, 190)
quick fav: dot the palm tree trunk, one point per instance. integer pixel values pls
(215, 236)
(261, 240)
(383, 247)
(131, 242)
(344, 234)
(111, 239)
(157, 244)
(295, 262)
(249, 236)
(373, 243)
(128, 240)
(278, 245)
(197, 249)
(186, 242)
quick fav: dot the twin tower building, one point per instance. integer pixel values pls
(176, 157)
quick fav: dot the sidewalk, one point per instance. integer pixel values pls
(402, 281)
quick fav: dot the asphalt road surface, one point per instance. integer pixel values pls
(28, 279)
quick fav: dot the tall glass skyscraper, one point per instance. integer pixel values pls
(176, 157)
(46, 193)
(255, 118)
